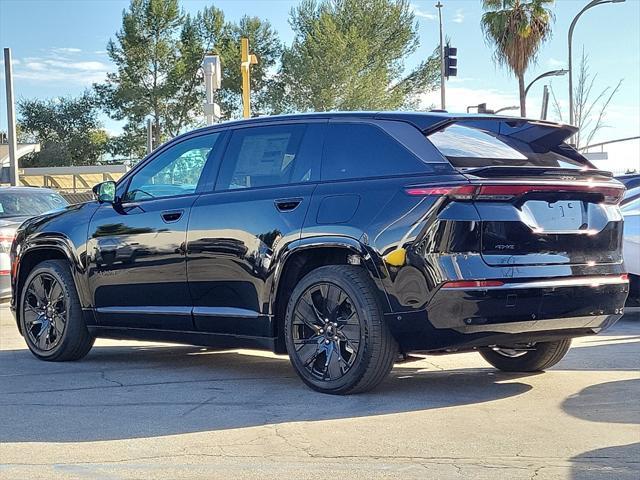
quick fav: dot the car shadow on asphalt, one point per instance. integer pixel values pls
(619, 462)
(145, 391)
(610, 402)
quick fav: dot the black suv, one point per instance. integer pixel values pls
(346, 240)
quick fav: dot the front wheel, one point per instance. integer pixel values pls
(534, 358)
(335, 333)
(51, 315)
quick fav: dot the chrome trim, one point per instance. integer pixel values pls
(226, 312)
(151, 310)
(169, 310)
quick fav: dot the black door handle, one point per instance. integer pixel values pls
(287, 204)
(171, 216)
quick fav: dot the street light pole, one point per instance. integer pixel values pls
(550, 73)
(442, 80)
(591, 4)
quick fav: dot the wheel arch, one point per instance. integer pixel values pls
(37, 253)
(307, 254)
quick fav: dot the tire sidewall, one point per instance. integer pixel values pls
(367, 322)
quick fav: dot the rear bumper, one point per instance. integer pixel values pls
(538, 309)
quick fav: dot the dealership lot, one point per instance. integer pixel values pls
(142, 410)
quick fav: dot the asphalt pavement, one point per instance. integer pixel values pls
(148, 411)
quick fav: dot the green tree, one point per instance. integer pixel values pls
(130, 144)
(349, 55)
(67, 129)
(158, 54)
(517, 29)
(148, 76)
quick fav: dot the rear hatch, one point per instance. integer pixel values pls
(539, 201)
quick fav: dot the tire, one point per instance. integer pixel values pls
(334, 313)
(545, 355)
(59, 340)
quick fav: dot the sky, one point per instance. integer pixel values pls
(58, 49)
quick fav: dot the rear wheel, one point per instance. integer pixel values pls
(335, 332)
(534, 358)
(51, 316)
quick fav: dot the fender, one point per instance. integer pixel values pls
(369, 258)
(50, 241)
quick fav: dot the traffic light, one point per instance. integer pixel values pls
(450, 61)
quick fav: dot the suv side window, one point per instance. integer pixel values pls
(360, 150)
(176, 171)
(271, 155)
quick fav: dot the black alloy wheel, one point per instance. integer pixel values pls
(45, 312)
(335, 332)
(326, 331)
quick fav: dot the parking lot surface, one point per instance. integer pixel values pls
(143, 410)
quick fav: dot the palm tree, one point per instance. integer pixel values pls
(517, 29)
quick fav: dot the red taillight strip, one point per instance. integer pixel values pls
(4, 272)
(460, 192)
(585, 281)
(611, 194)
(473, 284)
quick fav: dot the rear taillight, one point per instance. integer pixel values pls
(506, 192)
(473, 284)
(458, 192)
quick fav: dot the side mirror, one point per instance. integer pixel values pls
(105, 192)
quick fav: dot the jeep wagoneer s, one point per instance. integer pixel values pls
(346, 240)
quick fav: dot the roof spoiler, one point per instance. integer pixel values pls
(540, 132)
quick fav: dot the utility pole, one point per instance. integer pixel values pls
(212, 80)
(149, 136)
(442, 79)
(545, 103)
(11, 119)
(247, 60)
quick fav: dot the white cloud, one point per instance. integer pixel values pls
(555, 63)
(418, 12)
(57, 66)
(90, 66)
(459, 16)
(66, 50)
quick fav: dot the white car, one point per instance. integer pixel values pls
(630, 207)
(16, 205)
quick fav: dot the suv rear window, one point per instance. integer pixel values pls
(470, 147)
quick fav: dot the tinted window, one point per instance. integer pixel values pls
(356, 150)
(176, 171)
(273, 155)
(30, 203)
(472, 147)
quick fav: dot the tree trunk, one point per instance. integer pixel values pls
(523, 101)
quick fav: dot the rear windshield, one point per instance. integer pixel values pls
(29, 204)
(469, 147)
